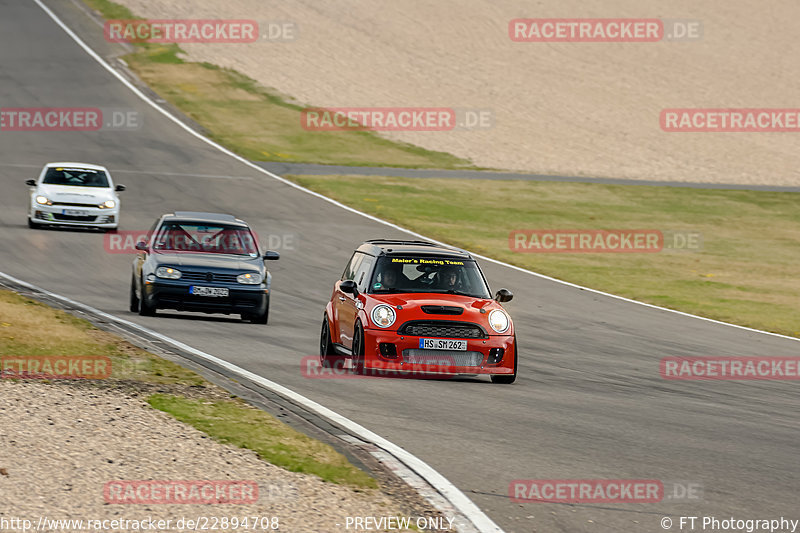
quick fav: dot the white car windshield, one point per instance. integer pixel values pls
(79, 177)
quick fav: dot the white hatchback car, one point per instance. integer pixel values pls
(74, 194)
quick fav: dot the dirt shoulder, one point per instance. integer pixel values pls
(574, 109)
(110, 446)
(61, 445)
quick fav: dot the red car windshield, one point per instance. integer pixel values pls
(205, 238)
(447, 275)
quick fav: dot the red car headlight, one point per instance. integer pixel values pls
(383, 316)
(499, 321)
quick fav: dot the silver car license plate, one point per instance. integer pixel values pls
(208, 291)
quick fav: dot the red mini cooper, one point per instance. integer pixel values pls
(414, 307)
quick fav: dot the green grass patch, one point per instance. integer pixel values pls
(256, 122)
(260, 125)
(154, 52)
(234, 422)
(110, 10)
(31, 328)
(28, 327)
(744, 273)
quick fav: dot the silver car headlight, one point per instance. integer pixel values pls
(43, 200)
(383, 316)
(108, 204)
(253, 278)
(168, 273)
(499, 321)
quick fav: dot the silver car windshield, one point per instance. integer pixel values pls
(205, 238)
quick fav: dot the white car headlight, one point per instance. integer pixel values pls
(108, 204)
(249, 278)
(168, 273)
(383, 316)
(499, 321)
(43, 200)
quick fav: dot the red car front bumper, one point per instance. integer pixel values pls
(389, 352)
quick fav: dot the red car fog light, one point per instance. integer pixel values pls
(495, 356)
(388, 350)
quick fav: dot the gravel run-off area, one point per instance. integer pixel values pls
(60, 444)
(570, 108)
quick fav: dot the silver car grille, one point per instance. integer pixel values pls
(207, 277)
(420, 356)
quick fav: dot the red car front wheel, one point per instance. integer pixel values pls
(327, 355)
(358, 349)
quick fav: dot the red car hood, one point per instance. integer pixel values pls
(412, 303)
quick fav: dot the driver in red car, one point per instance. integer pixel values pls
(392, 277)
(447, 279)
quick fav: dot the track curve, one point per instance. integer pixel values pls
(589, 402)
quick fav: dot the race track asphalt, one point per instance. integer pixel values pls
(589, 402)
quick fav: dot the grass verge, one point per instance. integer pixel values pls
(745, 271)
(31, 328)
(743, 274)
(255, 122)
(236, 423)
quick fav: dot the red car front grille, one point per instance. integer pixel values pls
(444, 329)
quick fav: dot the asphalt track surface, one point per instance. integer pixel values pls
(589, 402)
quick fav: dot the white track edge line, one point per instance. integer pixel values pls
(468, 508)
(224, 150)
(252, 165)
(458, 499)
